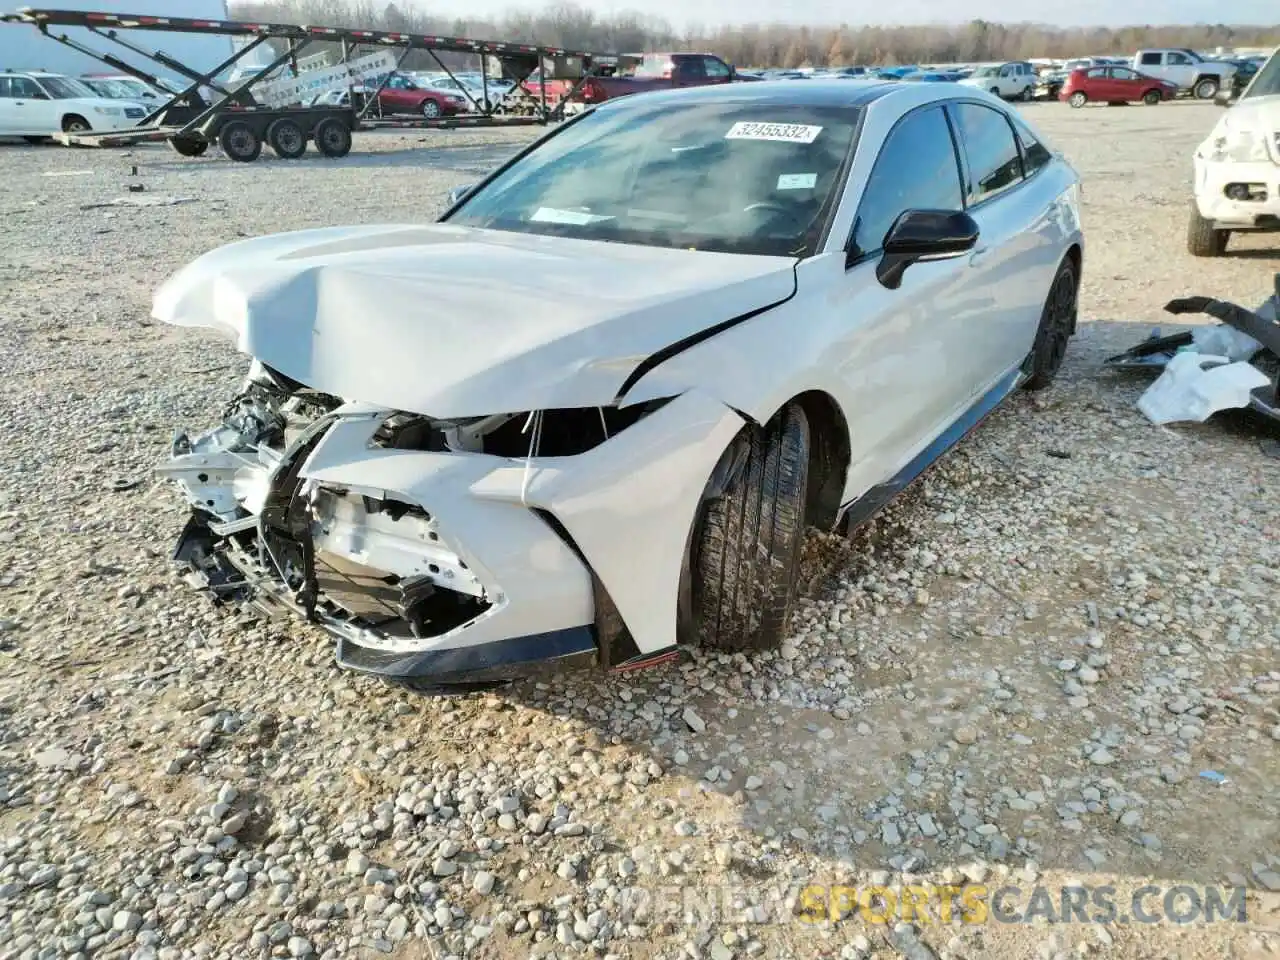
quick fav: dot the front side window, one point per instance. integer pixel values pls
(994, 164)
(736, 178)
(716, 69)
(916, 170)
(1178, 59)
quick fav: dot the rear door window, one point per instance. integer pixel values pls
(1151, 59)
(992, 151)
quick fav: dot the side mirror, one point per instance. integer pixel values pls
(457, 193)
(924, 235)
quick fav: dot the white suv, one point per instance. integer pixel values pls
(1012, 81)
(1237, 169)
(38, 105)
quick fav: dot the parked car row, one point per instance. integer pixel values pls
(35, 105)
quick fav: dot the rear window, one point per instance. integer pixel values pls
(655, 65)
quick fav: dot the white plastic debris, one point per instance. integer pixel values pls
(1194, 386)
(1220, 340)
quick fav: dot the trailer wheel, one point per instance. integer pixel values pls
(287, 139)
(333, 137)
(189, 147)
(239, 142)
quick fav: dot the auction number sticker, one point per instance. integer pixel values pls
(786, 132)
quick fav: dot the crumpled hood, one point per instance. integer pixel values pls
(1258, 114)
(454, 321)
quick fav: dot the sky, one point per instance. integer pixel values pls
(1071, 13)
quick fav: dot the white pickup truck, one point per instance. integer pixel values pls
(1190, 71)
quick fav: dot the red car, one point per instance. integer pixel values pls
(1114, 85)
(403, 95)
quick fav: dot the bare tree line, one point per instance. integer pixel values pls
(762, 45)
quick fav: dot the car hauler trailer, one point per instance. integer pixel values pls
(266, 105)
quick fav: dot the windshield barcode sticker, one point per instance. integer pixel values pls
(787, 132)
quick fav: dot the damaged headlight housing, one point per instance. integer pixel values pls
(1232, 144)
(561, 432)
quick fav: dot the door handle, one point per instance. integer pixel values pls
(978, 256)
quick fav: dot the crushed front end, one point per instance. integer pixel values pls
(369, 564)
(451, 551)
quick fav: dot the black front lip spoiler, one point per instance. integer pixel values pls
(509, 659)
(512, 658)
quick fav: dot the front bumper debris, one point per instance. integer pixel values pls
(1232, 364)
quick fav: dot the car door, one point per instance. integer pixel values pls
(36, 113)
(689, 72)
(1006, 82)
(398, 95)
(1181, 70)
(1126, 84)
(1095, 83)
(901, 364)
(1013, 261)
(8, 108)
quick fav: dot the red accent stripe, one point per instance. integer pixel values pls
(645, 664)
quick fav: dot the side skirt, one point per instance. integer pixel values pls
(857, 512)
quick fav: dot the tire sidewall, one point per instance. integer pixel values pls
(728, 570)
(1042, 366)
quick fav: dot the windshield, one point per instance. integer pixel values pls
(64, 88)
(1266, 82)
(731, 177)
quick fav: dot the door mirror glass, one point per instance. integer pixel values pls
(924, 235)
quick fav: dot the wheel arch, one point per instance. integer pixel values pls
(830, 450)
(72, 115)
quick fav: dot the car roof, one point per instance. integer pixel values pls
(814, 93)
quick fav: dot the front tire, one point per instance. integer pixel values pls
(1057, 324)
(1151, 98)
(74, 123)
(745, 555)
(1206, 89)
(431, 109)
(1203, 239)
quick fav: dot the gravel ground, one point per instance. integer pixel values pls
(1016, 676)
